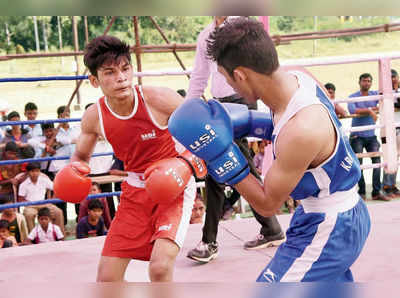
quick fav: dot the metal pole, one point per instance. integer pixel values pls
(137, 46)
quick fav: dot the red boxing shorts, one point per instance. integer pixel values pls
(140, 221)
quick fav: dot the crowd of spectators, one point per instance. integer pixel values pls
(33, 181)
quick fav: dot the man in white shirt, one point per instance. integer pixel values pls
(45, 231)
(34, 189)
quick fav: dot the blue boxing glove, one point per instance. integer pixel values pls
(205, 129)
(249, 123)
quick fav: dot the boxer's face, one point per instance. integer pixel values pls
(114, 79)
(240, 83)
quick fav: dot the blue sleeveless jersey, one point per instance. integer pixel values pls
(341, 171)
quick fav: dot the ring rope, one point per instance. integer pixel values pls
(55, 200)
(65, 157)
(27, 122)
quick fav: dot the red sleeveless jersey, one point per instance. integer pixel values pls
(136, 139)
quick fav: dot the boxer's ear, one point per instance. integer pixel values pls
(94, 81)
(239, 74)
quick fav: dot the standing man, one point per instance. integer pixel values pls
(270, 232)
(158, 194)
(313, 160)
(366, 139)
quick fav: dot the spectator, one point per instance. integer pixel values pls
(259, 157)
(8, 173)
(198, 210)
(31, 112)
(92, 225)
(207, 249)
(389, 180)
(101, 165)
(340, 112)
(83, 210)
(66, 136)
(366, 139)
(45, 145)
(17, 223)
(45, 231)
(16, 133)
(6, 240)
(34, 189)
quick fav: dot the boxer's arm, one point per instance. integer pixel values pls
(298, 145)
(163, 101)
(88, 136)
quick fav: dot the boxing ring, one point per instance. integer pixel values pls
(76, 260)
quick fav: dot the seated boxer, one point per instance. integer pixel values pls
(158, 194)
(313, 160)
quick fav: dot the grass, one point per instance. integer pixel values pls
(49, 95)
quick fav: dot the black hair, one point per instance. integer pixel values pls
(365, 76)
(243, 42)
(32, 166)
(4, 224)
(61, 109)
(103, 50)
(44, 212)
(30, 106)
(95, 204)
(47, 125)
(12, 115)
(330, 86)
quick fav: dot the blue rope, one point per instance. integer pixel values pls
(19, 161)
(54, 201)
(36, 79)
(27, 122)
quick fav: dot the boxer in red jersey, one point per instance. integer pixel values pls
(134, 121)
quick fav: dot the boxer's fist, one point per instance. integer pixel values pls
(71, 184)
(197, 165)
(210, 137)
(166, 179)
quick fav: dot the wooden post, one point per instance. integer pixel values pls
(86, 30)
(137, 47)
(77, 107)
(167, 41)
(36, 33)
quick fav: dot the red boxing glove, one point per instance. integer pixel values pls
(166, 179)
(197, 165)
(71, 184)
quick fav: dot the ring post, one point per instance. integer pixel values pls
(386, 109)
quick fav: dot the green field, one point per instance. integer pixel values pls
(49, 95)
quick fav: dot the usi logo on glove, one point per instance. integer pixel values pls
(227, 165)
(205, 138)
(175, 175)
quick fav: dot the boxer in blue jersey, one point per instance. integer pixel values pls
(313, 161)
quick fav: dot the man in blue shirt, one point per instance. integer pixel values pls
(366, 139)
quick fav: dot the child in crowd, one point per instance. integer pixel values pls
(34, 189)
(17, 223)
(92, 225)
(83, 209)
(45, 231)
(6, 240)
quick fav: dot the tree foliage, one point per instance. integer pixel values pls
(178, 29)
